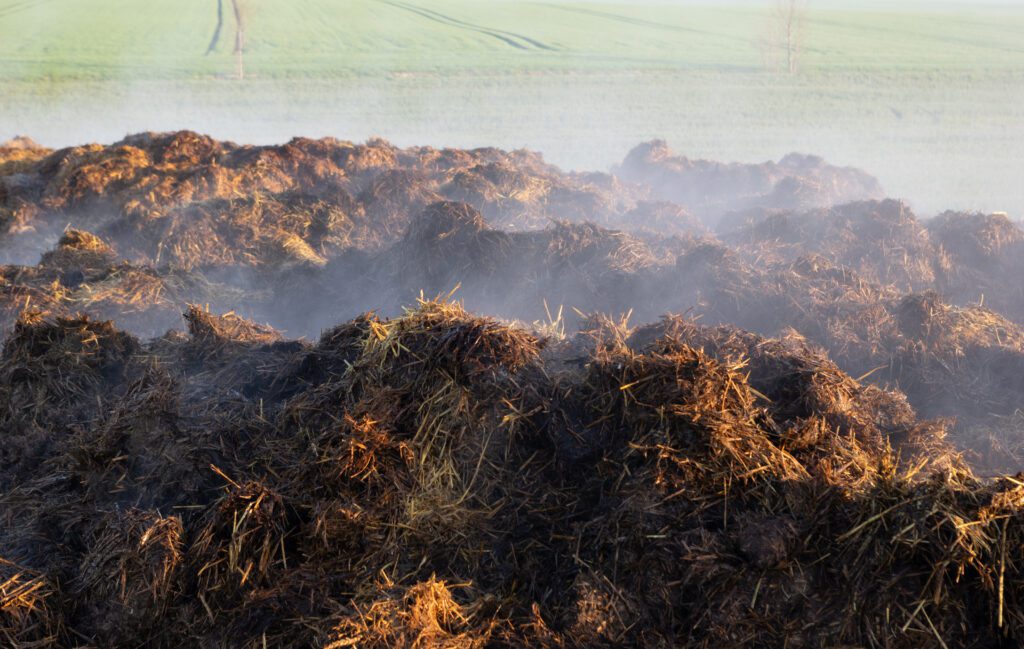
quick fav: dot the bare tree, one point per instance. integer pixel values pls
(785, 38)
(240, 9)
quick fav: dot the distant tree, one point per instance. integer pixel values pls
(785, 38)
(240, 10)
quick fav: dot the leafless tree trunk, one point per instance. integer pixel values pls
(785, 38)
(240, 23)
(240, 10)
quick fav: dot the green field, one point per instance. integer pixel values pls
(929, 97)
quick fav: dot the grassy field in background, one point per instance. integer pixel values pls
(125, 39)
(928, 97)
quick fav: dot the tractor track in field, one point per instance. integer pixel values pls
(511, 39)
(16, 7)
(640, 22)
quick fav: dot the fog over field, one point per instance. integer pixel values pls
(927, 96)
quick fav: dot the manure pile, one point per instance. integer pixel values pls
(822, 451)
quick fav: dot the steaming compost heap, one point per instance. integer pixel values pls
(549, 476)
